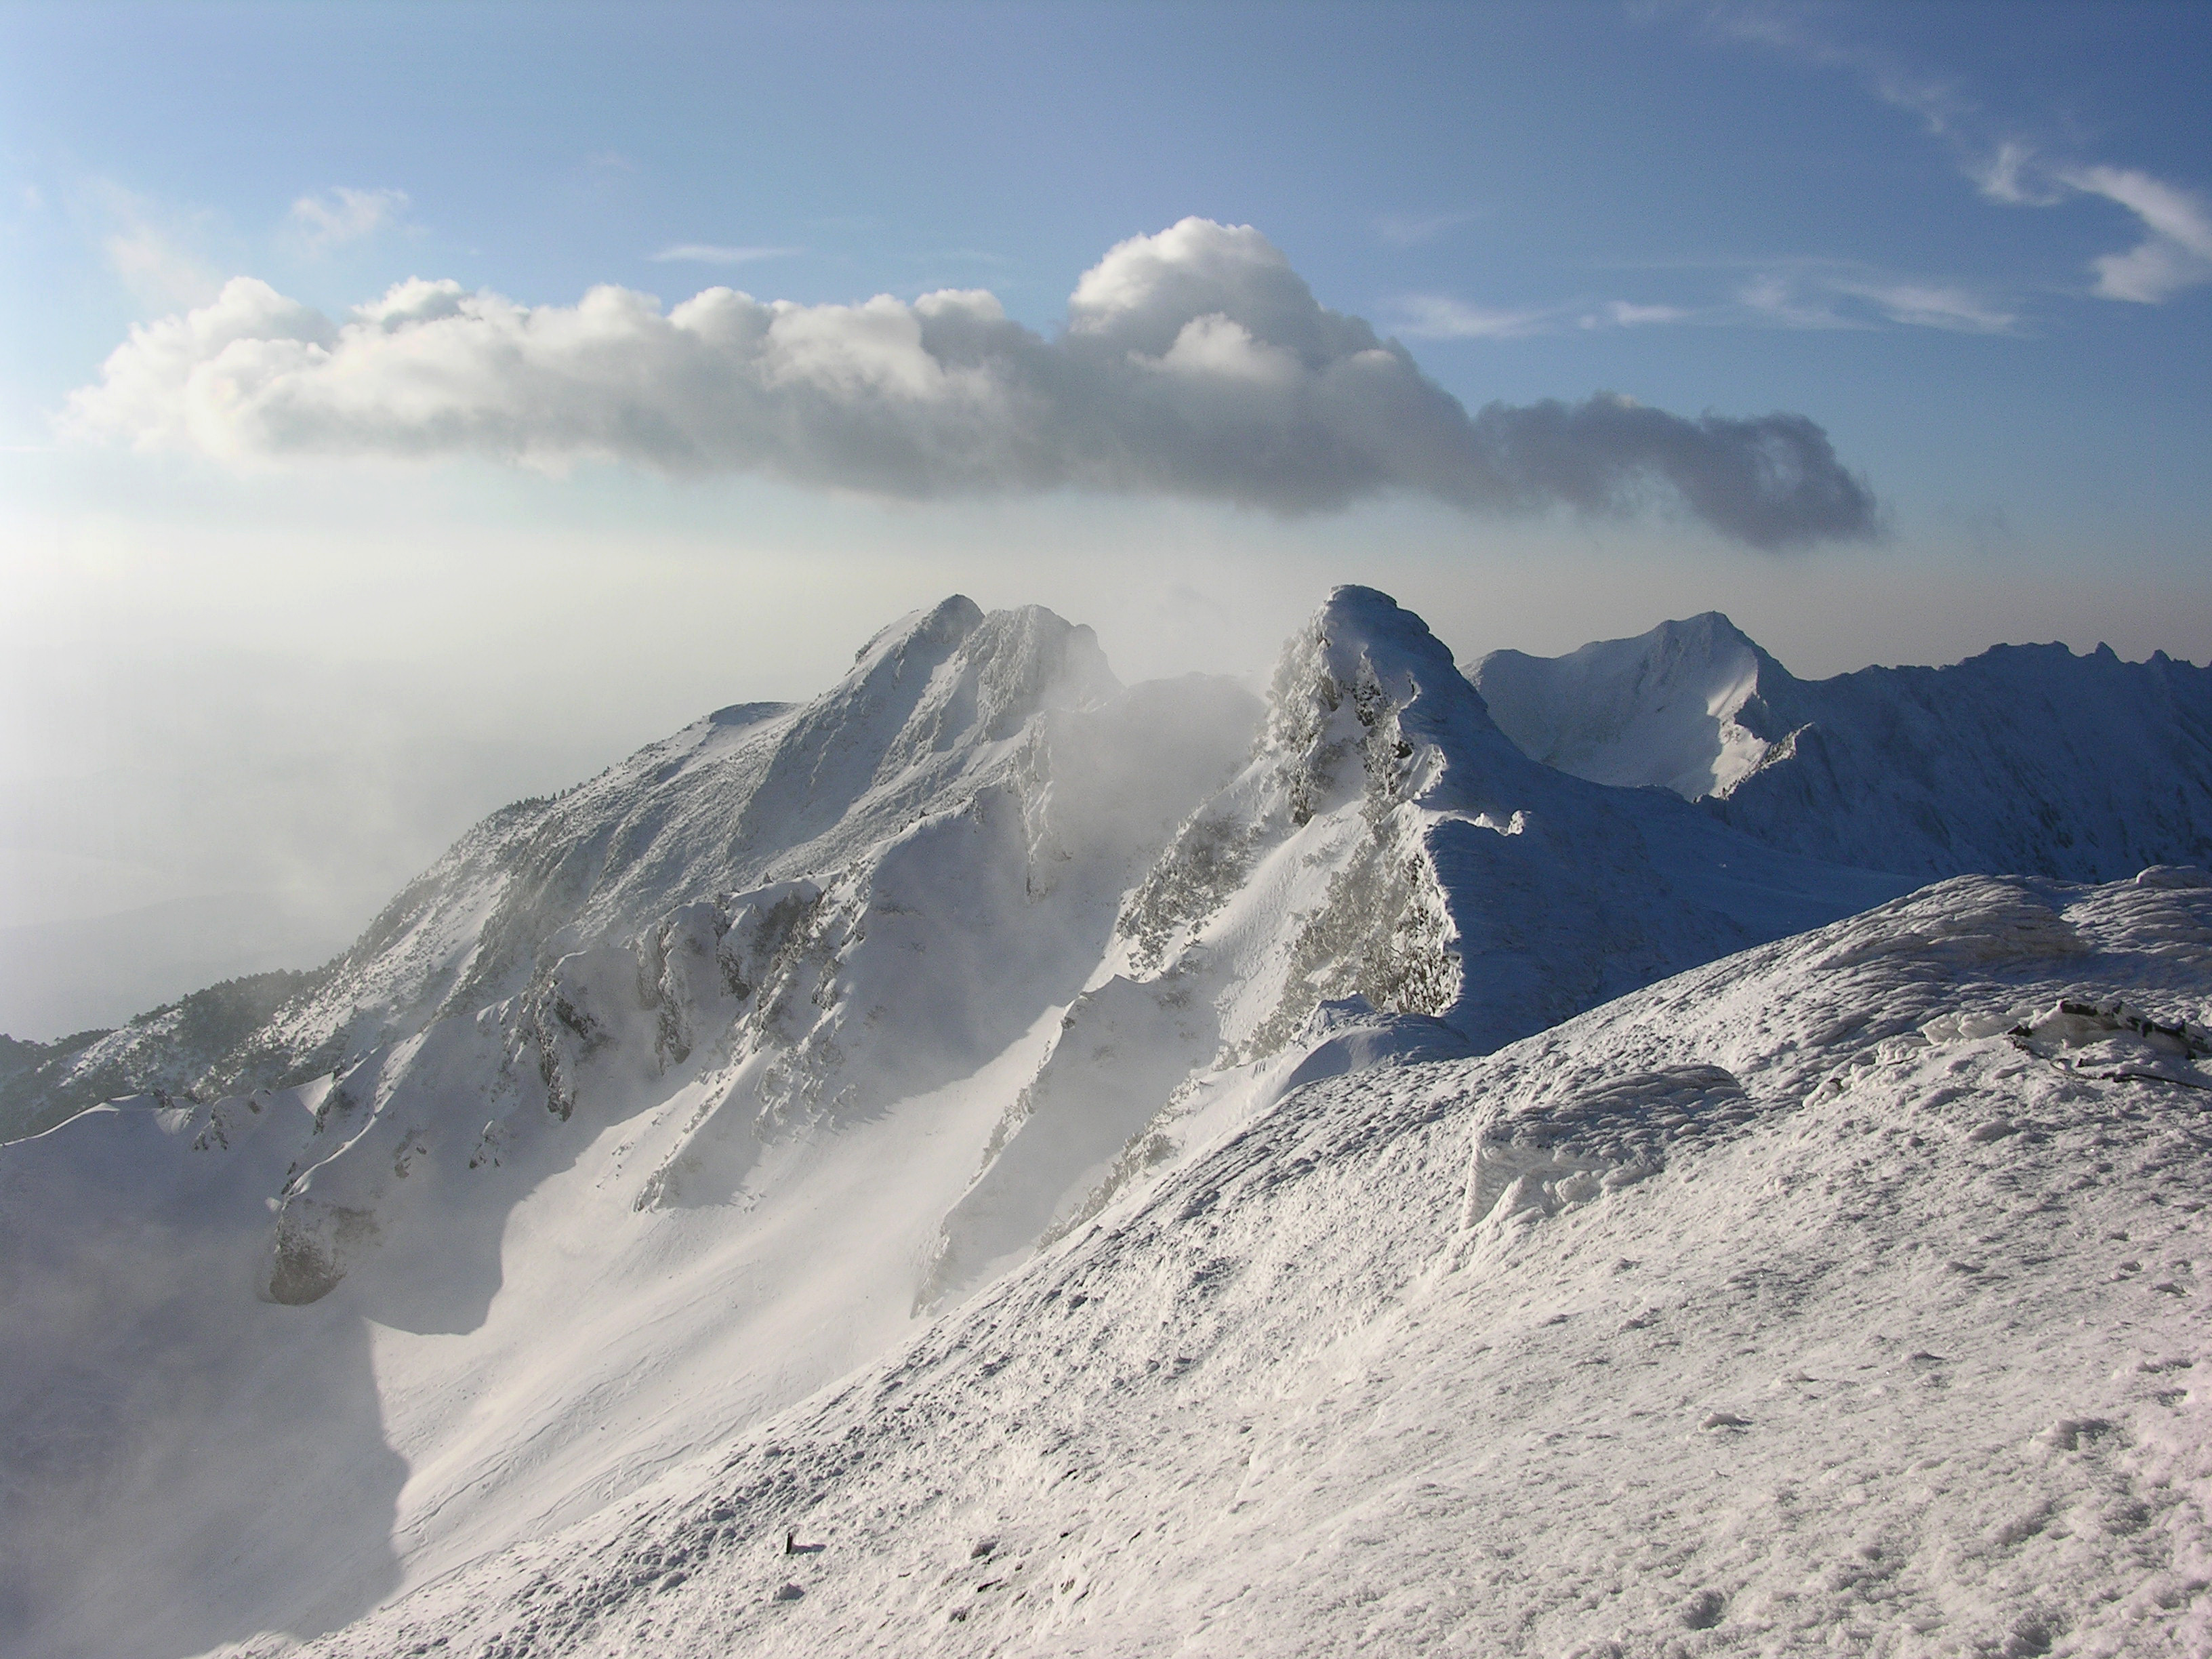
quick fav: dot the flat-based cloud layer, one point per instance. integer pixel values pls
(1195, 362)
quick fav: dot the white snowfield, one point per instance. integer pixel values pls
(1108, 1057)
(2025, 758)
(1842, 1295)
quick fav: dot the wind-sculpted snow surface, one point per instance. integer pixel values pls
(1841, 1294)
(2025, 758)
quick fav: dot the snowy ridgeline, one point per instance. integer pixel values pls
(659, 1106)
(1845, 1291)
(2027, 758)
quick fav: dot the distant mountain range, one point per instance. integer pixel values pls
(2027, 758)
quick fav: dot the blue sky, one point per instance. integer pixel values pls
(1970, 245)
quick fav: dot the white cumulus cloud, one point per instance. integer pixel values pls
(1195, 362)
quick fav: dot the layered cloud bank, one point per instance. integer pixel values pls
(1195, 362)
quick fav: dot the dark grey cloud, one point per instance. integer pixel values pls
(1195, 362)
(1771, 481)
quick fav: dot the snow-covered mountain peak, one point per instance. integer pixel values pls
(1427, 865)
(1364, 679)
(925, 700)
(953, 669)
(1666, 708)
(1009, 666)
(657, 1105)
(942, 626)
(1362, 636)
(2025, 758)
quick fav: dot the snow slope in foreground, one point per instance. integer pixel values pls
(1790, 1304)
(2025, 758)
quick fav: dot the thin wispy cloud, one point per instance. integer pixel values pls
(1781, 300)
(1410, 230)
(2006, 167)
(147, 251)
(340, 215)
(155, 268)
(1195, 362)
(2010, 175)
(1820, 294)
(2176, 254)
(1813, 294)
(1937, 102)
(1624, 313)
(1921, 305)
(716, 253)
(1439, 316)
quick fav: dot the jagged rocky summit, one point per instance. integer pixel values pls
(2027, 758)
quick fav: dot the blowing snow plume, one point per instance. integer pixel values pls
(1195, 362)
